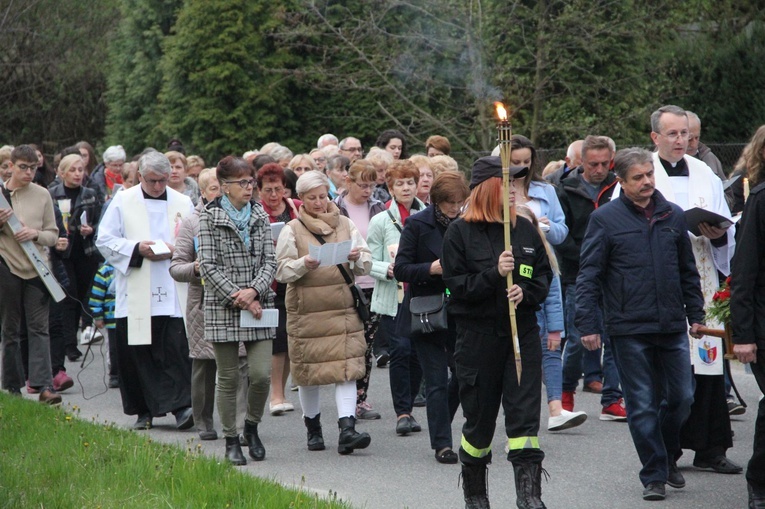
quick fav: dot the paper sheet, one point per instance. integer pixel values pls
(276, 229)
(707, 355)
(84, 218)
(159, 247)
(331, 253)
(270, 318)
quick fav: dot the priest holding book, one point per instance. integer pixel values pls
(137, 236)
(690, 183)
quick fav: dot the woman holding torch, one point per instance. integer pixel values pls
(475, 269)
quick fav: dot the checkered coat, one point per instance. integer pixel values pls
(227, 265)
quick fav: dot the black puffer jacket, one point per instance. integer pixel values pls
(643, 271)
(577, 207)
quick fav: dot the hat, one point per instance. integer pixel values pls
(491, 166)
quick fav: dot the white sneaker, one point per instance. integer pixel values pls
(90, 335)
(566, 420)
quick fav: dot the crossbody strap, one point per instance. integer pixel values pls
(347, 278)
(393, 219)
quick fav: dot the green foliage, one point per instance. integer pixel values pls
(51, 458)
(218, 95)
(52, 86)
(134, 76)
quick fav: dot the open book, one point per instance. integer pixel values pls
(697, 215)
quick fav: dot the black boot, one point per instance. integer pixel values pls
(349, 438)
(315, 437)
(528, 485)
(474, 486)
(257, 451)
(756, 497)
(234, 451)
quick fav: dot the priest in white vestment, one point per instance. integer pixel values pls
(690, 183)
(137, 236)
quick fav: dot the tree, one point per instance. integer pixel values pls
(49, 93)
(134, 77)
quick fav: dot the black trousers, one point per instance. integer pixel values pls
(155, 378)
(755, 472)
(486, 374)
(707, 430)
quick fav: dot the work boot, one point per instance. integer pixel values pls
(350, 439)
(474, 486)
(257, 451)
(315, 437)
(528, 485)
(234, 451)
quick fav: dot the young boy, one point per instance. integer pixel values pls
(102, 305)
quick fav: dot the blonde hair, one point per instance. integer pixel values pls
(295, 162)
(192, 161)
(362, 170)
(421, 160)
(173, 156)
(524, 211)
(552, 167)
(442, 163)
(67, 162)
(751, 160)
(205, 177)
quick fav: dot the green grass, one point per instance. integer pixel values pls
(51, 459)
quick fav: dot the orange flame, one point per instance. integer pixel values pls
(501, 111)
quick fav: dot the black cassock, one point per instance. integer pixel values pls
(155, 378)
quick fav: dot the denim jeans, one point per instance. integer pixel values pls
(575, 355)
(652, 368)
(434, 359)
(405, 371)
(551, 363)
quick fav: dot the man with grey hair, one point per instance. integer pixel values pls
(573, 161)
(350, 147)
(637, 269)
(137, 236)
(325, 140)
(698, 149)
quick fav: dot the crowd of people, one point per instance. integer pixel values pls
(217, 286)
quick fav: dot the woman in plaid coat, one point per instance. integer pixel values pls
(237, 262)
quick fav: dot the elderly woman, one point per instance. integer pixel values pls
(237, 263)
(418, 263)
(179, 181)
(6, 166)
(357, 203)
(272, 184)
(426, 177)
(77, 203)
(393, 142)
(381, 159)
(302, 163)
(106, 176)
(325, 333)
(337, 171)
(319, 159)
(384, 232)
(194, 166)
(475, 266)
(184, 268)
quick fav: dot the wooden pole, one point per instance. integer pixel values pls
(504, 132)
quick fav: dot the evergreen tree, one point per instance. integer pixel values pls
(134, 78)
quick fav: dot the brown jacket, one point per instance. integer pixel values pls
(325, 334)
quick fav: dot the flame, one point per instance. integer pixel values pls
(501, 111)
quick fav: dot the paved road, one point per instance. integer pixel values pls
(593, 466)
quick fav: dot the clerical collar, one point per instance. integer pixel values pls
(162, 196)
(680, 169)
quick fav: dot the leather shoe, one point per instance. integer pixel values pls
(49, 396)
(655, 491)
(143, 422)
(720, 464)
(184, 418)
(756, 497)
(209, 434)
(594, 387)
(404, 426)
(415, 425)
(674, 477)
(447, 456)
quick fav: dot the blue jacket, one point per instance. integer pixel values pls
(550, 314)
(551, 209)
(643, 272)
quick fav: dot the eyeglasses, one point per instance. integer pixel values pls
(268, 190)
(154, 182)
(27, 167)
(366, 186)
(244, 183)
(674, 135)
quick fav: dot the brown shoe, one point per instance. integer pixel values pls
(50, 397)
(594, 387)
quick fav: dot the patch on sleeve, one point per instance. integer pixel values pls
(526, 270)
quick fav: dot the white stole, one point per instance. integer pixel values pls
(150, 289)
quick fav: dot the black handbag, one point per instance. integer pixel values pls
(428, 314)
(360, 301)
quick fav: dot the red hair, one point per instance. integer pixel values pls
(485, 203)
